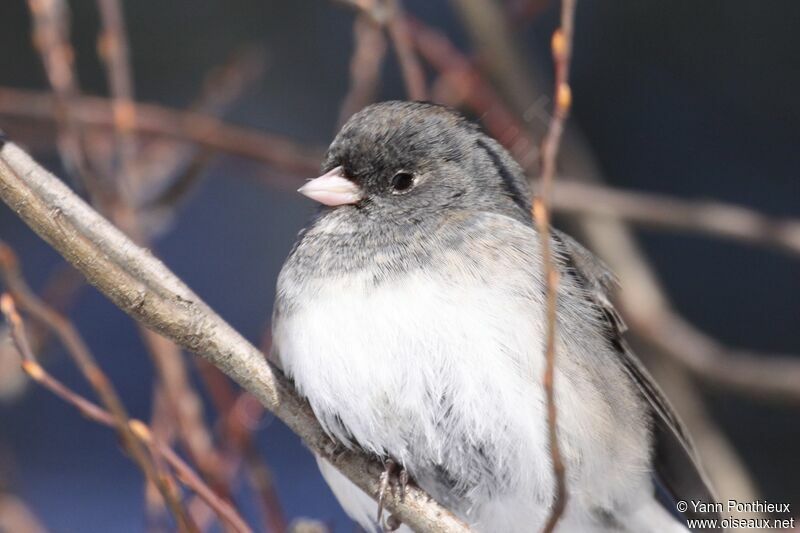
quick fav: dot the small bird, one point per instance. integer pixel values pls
(410, 313)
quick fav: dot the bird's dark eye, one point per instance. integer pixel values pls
(402, 182)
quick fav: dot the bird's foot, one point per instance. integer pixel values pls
(334, 450)
(400, 475)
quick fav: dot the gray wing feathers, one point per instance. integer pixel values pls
(676, 463)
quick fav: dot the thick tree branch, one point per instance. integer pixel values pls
(144, 288)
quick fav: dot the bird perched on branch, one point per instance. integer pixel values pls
(410, 314)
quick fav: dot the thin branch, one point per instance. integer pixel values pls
(561, 45)
(238, 433)
(161, 163)
(369, 51)
(391, 15)
(60, 290)
(463, 84)
(162, 429)
(413, 75)
(51, 39)
(500, 55)
(186, 408)
(113, 49)
(86, 363)
(144, 288)
(206, 131)
(713, 218)
(771, 377)
(17, 517)
(97, 414)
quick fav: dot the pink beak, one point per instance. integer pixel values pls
(332, 189)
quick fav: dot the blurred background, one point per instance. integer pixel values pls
(684, 101)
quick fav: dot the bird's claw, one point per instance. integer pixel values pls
(334, 450)
(390, 467)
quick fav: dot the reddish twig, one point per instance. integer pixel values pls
(113, 49)
(561, 45)
(238, 433)
(521, 11)
(97, 414)
(389, 14)
(713, 218)
(51, 39)
(413, 75)
(206, 131)
(463, 84)
(17, 517)
(185, 407)
(85, 361)
(369, 51)
(162, 428)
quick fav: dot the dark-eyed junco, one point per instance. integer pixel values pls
(410, 314)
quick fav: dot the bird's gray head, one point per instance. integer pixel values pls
(404, 162)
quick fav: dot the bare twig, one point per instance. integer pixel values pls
(144, 288)
(463, 84)
(185, 408)
(163, 430)
(113, 49)
(501, 57)
(161, 164)
(85, 361)
(17, 517)
(413, 75)
(659, 211)
(561, 45)
(197, 128)
(771, 377)
(59, 291)
(369, 51)
(391, 15)
(710, 217)
(138, 429)
(51, 40)
(239, 435)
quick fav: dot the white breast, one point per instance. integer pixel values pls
(430, 372)
(384, 359)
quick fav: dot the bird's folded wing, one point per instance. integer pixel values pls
(676, 464)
